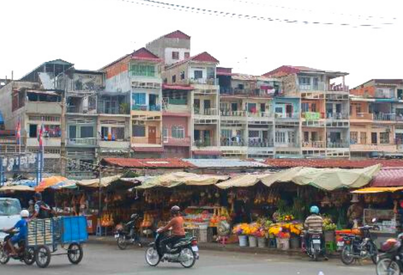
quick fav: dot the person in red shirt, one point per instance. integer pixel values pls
(176, 226)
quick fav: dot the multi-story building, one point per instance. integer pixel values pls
(376, 118)
(139, 74)
(321, 128)
(199, 71)
(247, 117)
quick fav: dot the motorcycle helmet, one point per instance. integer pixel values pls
(314, 209)
(175, 210)
(24, 214)
(390, 245)
(38, 196)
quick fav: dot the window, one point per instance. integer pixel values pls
(143, 70)
(52, 131)
(175, 55)
(241, 86)
(87, 131)
(384, 138)
(33, 130)
(139, 99)
(225, 133)
(305, 107)
(182, 75)
(306, 136)
(252, 107)
(198, 74)
(353, 137)
(280, 137)
(363, 138)
(178, 132)
(291, 137)
(304, 80)
(210, 73)
(358, 109)
(313, 107)
(139, 131)
(118, 133)
(254, 134)
(165, 134)
(72, 131)
(187, 55)
(262, 107)
(174, 79)
(279, 110)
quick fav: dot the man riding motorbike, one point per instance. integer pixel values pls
(178, 232)
(314, 225)
(21, 225)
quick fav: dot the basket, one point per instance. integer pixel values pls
(261, 242)
(252, 241)
(40, 232)
(283, 244)
(243, 240)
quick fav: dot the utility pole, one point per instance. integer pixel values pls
(63, 159)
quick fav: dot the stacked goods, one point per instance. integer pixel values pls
(148, 219)
(107, 220)
(40, 232)
(220, 214)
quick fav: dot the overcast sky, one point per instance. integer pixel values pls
(93, 33)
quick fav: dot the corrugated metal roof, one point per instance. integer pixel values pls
(178, 35)
(201, 57)
(329, 163)
(388, 177)
(148, 163)
(224, 163)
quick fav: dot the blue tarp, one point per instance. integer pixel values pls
(1, 119)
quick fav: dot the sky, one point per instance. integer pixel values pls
(362, 38)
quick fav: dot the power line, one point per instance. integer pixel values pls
(191, 9)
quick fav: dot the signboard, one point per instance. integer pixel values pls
(19, 163)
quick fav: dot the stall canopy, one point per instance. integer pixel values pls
(327, 179)
(49, 182)
(94, 183)
(374, 190)
(388, 177)
(21, 188)
(181, 178)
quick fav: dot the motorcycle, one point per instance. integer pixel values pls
(24, 255)
(127, 235)
(314, 247)
(391, 261)
(185, 251)
(359, 248)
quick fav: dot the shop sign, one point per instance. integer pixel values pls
(24, 161)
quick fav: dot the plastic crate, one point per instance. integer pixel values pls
(73, 229)
(40, 232)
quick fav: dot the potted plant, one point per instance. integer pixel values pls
(240, 230)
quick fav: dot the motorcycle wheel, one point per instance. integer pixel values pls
(188, 252)
(387, 267)
(316, 252)
(152, 256)
(374, 252)
(121, 242)
(346, 255)
(4, 258)
(29, 256)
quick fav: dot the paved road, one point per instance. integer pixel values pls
(107, 259)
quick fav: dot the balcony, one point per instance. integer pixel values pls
(43, 108)
(337, 116)
(90, 142)
(260, 114)
(385, 117)
(152, 108)
(147, 142)
(206, 112)
(175, 105)
(391, 148)
(314, 144)
(286, 145)
(312, 115)
(322, 86)
(228, 113)
(47, 142)
(230, 143)
(362, 116)
(182, 142)
(245, 92)
(287, 115)
(114, 144)
(203, 81)
(204, 143)
(337, 144)
(259, 143)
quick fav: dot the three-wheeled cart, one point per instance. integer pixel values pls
(46, 235)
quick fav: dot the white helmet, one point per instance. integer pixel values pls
(24, 214)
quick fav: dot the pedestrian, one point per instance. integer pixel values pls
(355, 212)
(31, 208)
(41, 209)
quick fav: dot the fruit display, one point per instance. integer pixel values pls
(377, 199)
(328, 225)
(220, 214)
(196, 216)
(148, 219)
(107, 220)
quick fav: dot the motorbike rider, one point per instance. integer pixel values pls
(41, 209)
(314, 225)
(21, 225)
(178, 232)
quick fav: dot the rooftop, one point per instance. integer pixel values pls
(177, 87)
(204, 57)
(224, 163)
(382, 81)
(287, 69)
(388, 177)
(329, 163)
(177, 34)
(147, 163)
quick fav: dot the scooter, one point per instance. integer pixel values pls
(127, 235)
(24, 255)
(185, 251)
(314, 247)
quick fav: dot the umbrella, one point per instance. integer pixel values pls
(49, 182)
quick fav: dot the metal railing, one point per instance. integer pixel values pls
(233, 113)
(367, 116)
(228, 142)
(206, 112)
(204, 143)
(176, 141)
(314, 144)
(260, 143)
(385, 116)
(146, 108)
(287, 115)
(82, 141)
(205, 81)
(260, 114)
(245, 92)
(337, 116)
(337, 145)
(322, 86)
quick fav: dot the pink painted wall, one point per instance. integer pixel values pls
(168, 122)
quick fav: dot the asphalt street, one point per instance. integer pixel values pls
(106, 259)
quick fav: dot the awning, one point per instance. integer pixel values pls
(49, 182)
(374, 190)
(68, 184)
(21, 188)
(181, 178)
(326, 179)
(242, 181)
(388, 177)
(94, 183)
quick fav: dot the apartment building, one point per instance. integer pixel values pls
(139, 75)
(376, 118)
(312, 113)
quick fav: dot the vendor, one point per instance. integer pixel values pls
(355, 211)
(398, 210)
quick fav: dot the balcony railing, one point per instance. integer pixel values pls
(145, 140)
(204, 143)
(146, 108)
(287, 144)
(287, 115)
(314, 144)
(260, 143)
(260, 114)
(205, 81)
(233, 113)
(312, 115)
(246, 92)
(338, 144)
(177, 141)
(321, 86)
(385, 116)
(364, 116)
(206, 112)
(82, 141)
(227, 142)
(337, 116)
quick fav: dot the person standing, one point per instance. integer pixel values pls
(355, 212)
(41, 209)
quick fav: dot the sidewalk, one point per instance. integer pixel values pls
(218, 247)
